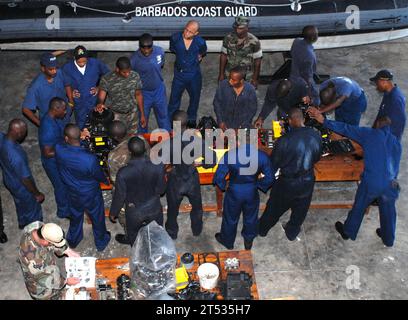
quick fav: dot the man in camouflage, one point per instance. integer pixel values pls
(241, 48)
(38, 246)
(121, 91)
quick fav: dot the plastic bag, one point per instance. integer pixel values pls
(153, 261)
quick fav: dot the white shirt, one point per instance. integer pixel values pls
(80, 69)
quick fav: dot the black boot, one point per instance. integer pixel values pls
(248, 244)
(121, 238)
(340, 229)
(219, 239)
(3, 237)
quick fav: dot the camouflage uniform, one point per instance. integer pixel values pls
(121, 97)
(41, 273)
(118, 158)
(241, 52)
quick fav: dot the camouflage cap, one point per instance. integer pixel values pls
(241, 22)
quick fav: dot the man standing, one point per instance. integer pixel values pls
(189, 49)
(235, 101)
(304, 62)
(3, 236)
(241, 49)
(148, 62)
(138, 186)
(242, 193)
(50, 134)
(382, 156)
(38, 246)
(84, 74)
(286, 94)
(183, 179)
(346, 97)
(393, 102)
(122, 90)
(50, 83)
(82, 174)
(295, 155)
(17, 175)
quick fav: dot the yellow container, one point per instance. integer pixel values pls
(181, 278)
(277, 129)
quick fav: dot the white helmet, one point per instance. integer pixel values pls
(54, 234)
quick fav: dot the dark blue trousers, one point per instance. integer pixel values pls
(157, 100)
(190, 81)
(60, 190)
(295, 194)
(81, 112)
(387, 195)
(351, 110)
(177, 188)
(240, 198)
(92, 203)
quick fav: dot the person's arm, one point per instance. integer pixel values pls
(221, 173)
(161, 180)
(32, 188)
(336, 104)
(306, 71)
(257, 71)
(101, 100)
(202, 50)
(30, 105)
(268, 106)
(218, 107)
(48, 152)
(252, 107)
(140, 106)
(119, 197)
(269, 174)
(356, 133)
(172, 45)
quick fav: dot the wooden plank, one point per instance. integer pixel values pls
(108, 268)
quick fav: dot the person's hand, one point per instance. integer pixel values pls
(221, 77)
(76, 94)
(73, 281)
(315, 113)
(94, 91)
(223, 126)
(85, 134)
(168, 168)
(143, 121)
(259, 123)
(254, 82)
(306, 100)
(72, 253)
(113, 219)
(100, 107)
(200, 57)
(40, 197)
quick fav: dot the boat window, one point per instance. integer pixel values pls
(402, 3)
(366, 5)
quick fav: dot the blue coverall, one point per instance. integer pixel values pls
(354, 105)
(242, 194)
(40, 92)
(304, 66)
(14, 164)
(81, 172)
(294, 154)
(187, 73)
(393, 106)
(382, 155)
(154, 90)
(83, 83)
(49, 134)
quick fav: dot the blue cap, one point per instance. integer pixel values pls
(48, 60)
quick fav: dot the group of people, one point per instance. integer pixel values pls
(136, 86)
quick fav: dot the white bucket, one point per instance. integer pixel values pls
(208, 274)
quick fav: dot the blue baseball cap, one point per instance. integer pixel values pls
(48, 60)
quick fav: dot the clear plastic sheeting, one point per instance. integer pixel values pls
(152, 263)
